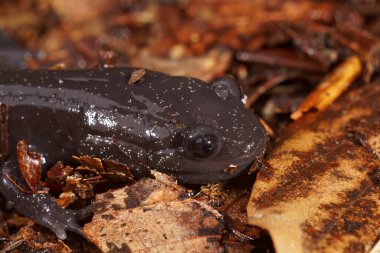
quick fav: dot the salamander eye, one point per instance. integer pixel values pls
(203, 146)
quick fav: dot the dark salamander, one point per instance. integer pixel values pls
(178, 125)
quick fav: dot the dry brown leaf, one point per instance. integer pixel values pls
(331, 87)
(30, 165)
(321, 193)
(92, 162)
(151, 216)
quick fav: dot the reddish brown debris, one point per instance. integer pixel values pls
(30, 165)
(37, 238)
(91, 162)
(56, 176)
(136, 76)
(78, 183)
(65, 199)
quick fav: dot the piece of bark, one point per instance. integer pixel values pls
(152, 216)
(321, 192)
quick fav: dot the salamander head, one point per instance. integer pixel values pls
(213, 136)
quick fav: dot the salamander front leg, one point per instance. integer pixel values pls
(39, 207)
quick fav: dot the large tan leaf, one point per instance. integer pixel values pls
(321, 193)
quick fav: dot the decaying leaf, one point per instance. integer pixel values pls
(92, 162)
(65, 199)
(78, 183)
(57, 175)
(321, 192)
(106, 168)
(151, 216)
(39, 239)
(331, 87)
(30, 165)
(231, 201)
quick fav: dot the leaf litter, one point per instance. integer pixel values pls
(321, 176)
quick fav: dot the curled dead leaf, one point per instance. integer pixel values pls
(30, 165)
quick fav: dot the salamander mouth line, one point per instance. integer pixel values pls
(234, 165)
(137, 161)
(222, 169)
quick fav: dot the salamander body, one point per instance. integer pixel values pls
(178, 125)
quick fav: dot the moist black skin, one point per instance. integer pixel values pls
(177, 125)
